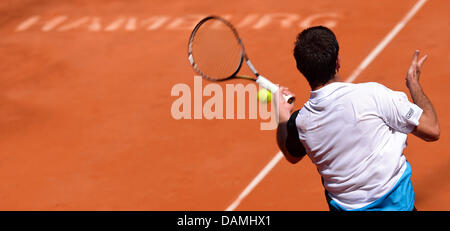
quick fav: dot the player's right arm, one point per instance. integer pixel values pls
(428, 128)
(287, 136)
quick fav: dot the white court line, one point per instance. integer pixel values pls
(256, 181)
(375, 52)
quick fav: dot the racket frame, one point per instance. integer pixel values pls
(236, 35)
(262, 81)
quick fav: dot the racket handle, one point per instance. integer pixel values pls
(265, 83)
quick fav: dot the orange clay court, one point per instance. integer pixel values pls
(85, 102)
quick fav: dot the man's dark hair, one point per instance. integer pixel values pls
(316, 51)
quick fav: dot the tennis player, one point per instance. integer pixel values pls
(354, 133)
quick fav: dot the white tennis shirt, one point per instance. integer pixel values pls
(355, 135)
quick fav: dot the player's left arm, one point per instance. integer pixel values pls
(418, 118)
(428, 128)
(287, 135)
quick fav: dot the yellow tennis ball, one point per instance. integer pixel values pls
(264, 95)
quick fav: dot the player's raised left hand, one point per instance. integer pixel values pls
(413, 75)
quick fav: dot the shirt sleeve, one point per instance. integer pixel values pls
(293, 144)
(396, 110)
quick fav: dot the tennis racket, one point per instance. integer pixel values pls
(217, 53)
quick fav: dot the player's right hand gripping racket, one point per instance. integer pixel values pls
(216, 52)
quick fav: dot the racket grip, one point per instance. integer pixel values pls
(289, 98)
(265, 83)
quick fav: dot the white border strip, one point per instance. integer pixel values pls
(375, 52)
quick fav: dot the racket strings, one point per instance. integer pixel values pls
(216, 50)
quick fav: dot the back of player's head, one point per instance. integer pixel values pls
(316, 51)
